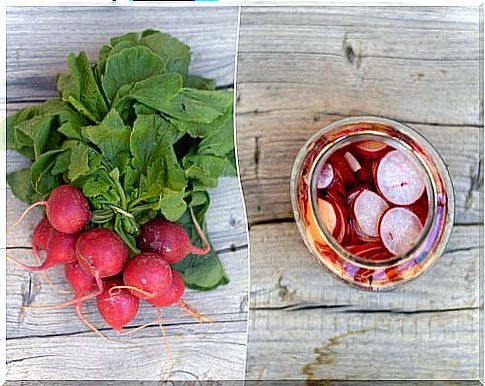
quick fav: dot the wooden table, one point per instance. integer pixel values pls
(298, 70)
(55, 344)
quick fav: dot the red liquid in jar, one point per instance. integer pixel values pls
(373, 199)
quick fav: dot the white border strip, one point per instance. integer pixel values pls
(242, 192)
(3, 193)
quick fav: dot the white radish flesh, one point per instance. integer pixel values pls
(368, 209)
(399, 179)
(352, 161)
(326, 177)
(399, 230)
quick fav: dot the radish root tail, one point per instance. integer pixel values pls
(194, 313)
(26, 211)
(48, 280)
(166, 346)
(25, 266)
(139, 328)
(207, 247)
(93, 328)
(140, 291)
(71, 302)
(87, 323)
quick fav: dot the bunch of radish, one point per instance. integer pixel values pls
(373, 200)
(97, 262)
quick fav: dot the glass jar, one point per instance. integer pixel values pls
(362, 273)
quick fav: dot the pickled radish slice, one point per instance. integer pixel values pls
(326, 177)
(352, 161)
(368, 209)
(370, 149)
(399, 230)
(342, 169)
(399, 180)
(351, 197)
(327, 214)
(333, 217)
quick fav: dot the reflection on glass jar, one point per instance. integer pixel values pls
(373, 201)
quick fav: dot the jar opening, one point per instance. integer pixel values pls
(372, 197)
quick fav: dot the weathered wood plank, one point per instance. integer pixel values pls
(199, 351)
(285, 275)
(324, 344)
(43, 343)
(226, 304)
(37, 53)
(259, 382)
(362, 61)
(298, 70)
(268, 144)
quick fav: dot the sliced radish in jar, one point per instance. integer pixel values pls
(368, 209)
(333, 217)
(326, 177)
(370, 149)
(342, 169)
(354, 165)
(399, 230)
(327, 214)
(353, 194)
(399, 180)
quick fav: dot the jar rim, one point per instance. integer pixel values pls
(442, 224)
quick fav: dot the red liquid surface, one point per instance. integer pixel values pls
(373, 199)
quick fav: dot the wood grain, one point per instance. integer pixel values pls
(269, 142)
(56, 31)
(395, 62)
(42, 343)
(326, 344)
(301, 282)
(199, 351)
(298, 70)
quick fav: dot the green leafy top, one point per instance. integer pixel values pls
(138, 134)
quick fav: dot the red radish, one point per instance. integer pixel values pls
(83, 283)
(117, 307)
(399, 179)
(326, 177)
(399, 230)
(170, 240)
(333, 216)
(60, 250)
(368, 208)
(148, 275)
(66, 209)
(171, 296)
(354, 165)
(41, 235)
(370, 149)
(101, 253)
